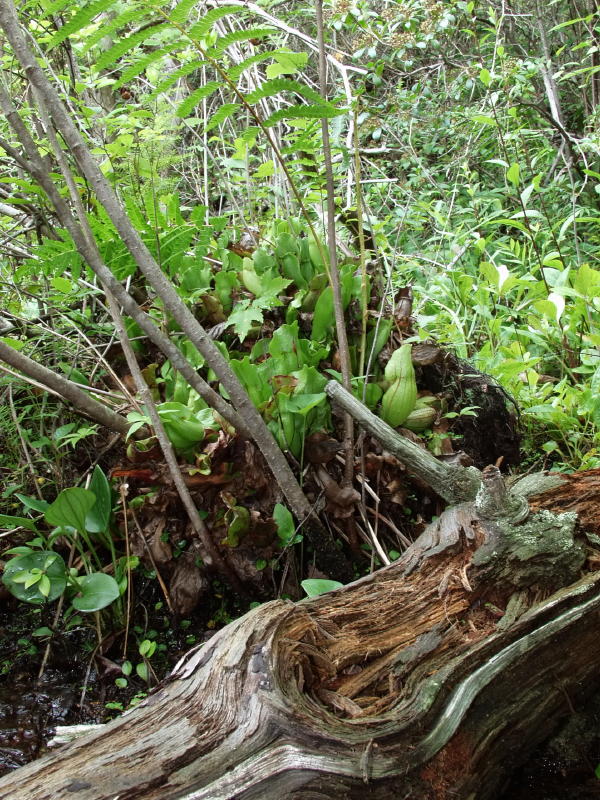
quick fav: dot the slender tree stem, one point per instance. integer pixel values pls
(338, 308)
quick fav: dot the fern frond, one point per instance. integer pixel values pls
(279, 85)
(236, 71)
(186, 69)
(303, 112)
(142, 65)
(196, 97)
(110, 25)
(181, 11)
(200, 29)
(303, 140)
(238, 36)
(55, 8)
(82, 18)
(120, 48)
(250, 134)
(226, 110)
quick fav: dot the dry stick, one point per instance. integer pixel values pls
(65, 389)
(454, 484)
(330, 558)
(123, 496)
(210, 553)
(89, 251)
(364, 294)
(148, 550)
(338, 307)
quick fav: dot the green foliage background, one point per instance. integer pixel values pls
(476, 132)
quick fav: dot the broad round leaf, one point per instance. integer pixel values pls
(96, 591)
(49, 563)
(71, 508)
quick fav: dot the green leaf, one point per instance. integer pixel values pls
(109, 25)
(238, 36)
(317, 586)
(286, 63)
(142, 671)
(190, 103)
(485, 77)
(43, 631)
(483, 119)
(98, 516)
(8, 521)
(181, 12)
(45, 587)
(323, 318)
(200, 29)
(286, 528)
(62, 285)
(236, 71)
(173, 77)
(44, 562)
(141, 65)
(14, 343)
(303, 404)
(96, 591)
(237, 519)
(243, 317)
(266, 169)
(29, 579)
(512, 174)
(114, 53)
(71, 508)
(278, 85)
(82, 18)
(147, 648)
(226, 111)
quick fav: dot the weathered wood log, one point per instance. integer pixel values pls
(432, 678)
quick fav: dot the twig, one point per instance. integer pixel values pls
(334, 274)
(454, 483)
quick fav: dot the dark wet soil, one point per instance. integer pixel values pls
(76, 688)
(564, 767)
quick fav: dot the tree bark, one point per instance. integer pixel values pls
(432, 678)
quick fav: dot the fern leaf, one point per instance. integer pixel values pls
(196, 97)
(142, 65)
(303, 112)
(55, 8)
(119, 49)
(82, 18)
(200, 29)
(226, 110)
(278, 85)
(236, 71)
(181, 11)
(303, 140)
(250, 134)
(192, 66)
(238, 36)
(110, 25)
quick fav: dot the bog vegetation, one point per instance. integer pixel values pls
(201, 225)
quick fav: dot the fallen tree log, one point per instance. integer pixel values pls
(432, 678)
